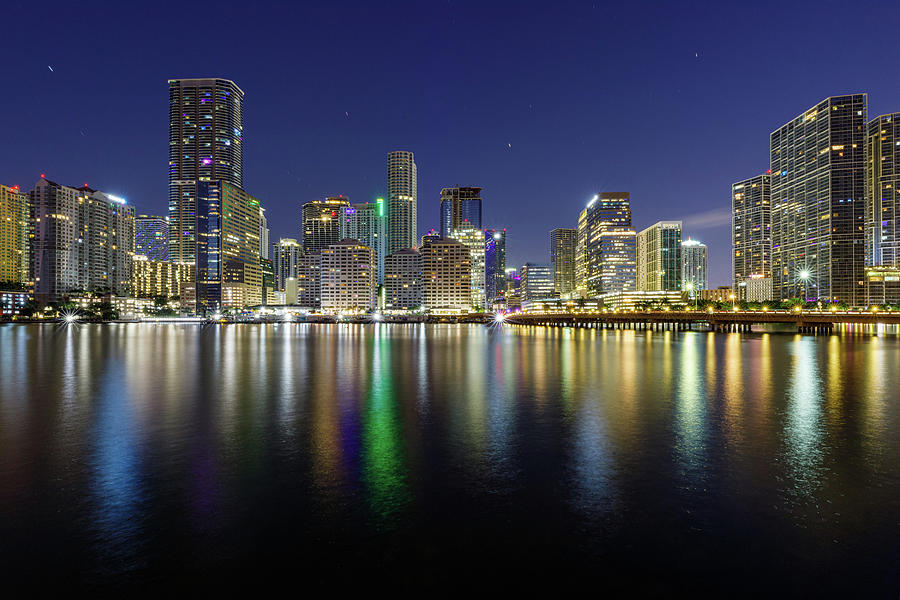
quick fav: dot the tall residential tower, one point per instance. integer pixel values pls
(605, 246)
(562, 259)
(402, 198)
(659, 257)
(818, 201)
(206, 140)
(751, 229)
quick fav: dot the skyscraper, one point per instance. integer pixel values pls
(604, 250)
(562, 259)
(818, 201)
(883, 202)
(494, 265)
(693, 266)
(263, 234)
(348, 277)
(460, 205)
(365, 223)
(286, 262)
(15, 218)
(321, 222)
(228, 268)
(206, 139)
(751, 224)
(402, 201)
(151, 237)
(83, 241)
(659, 257)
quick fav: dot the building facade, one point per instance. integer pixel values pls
(83, 241)
(883, 192)
(348, 277)
(494, 265)
(321, 222)
(206, 141)
(751, 229)
(562, 258)
(818, 202)
(604, 253)
(15, 220)
(446, 273)
(431, 235)
(287, 253)
(460, 205)
(402, 201)
(659, 257)
(151, 237)
(403, 280)
(228, 269)
(365, 222)
(473, 240)
(537, 281)
(694, 267)
(160, 278)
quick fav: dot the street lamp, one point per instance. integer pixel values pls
(733, 302)
(804, 277)
(689, 286)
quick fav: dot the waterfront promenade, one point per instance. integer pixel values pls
(806, 321)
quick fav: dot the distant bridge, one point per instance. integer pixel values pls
(806, 321)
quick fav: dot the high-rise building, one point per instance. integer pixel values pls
(609, 211)
(460, 205)
(308, 279)
(365, 223)
(348, 277)
(446, 273)
(562, 259)
(473, 240)
(883, 190)
(537, 281)
(228, 270)
(693, 267)
(618, 260)
(403, 280)
(402, 201)
(15, 218)
(494, 264)
(83, 241)
(287, 258)
(321, 222)
(263, 234)
(206, 141)
(151, 237)
(160, 278)
(659, 257)
(751, 225)
(818, 202)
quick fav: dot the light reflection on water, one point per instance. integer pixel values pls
(130, 448)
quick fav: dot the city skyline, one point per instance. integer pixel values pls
(522, 128)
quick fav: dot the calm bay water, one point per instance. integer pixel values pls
(431, 456)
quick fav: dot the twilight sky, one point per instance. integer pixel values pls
(542, 104)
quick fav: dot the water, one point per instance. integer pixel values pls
(429, 457)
